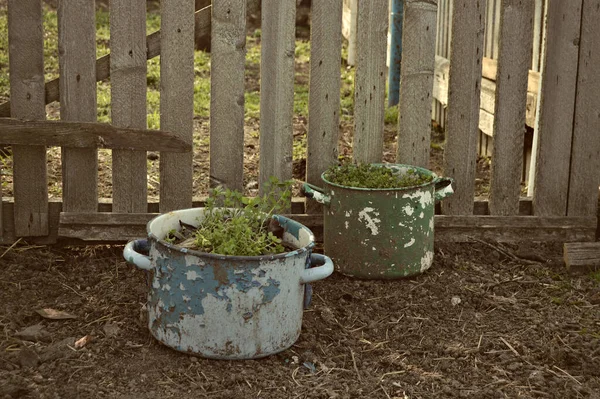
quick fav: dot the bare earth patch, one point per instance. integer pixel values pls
(478, 324)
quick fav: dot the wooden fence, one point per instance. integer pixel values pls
(567, 151)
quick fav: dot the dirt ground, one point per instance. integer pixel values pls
(481, 323)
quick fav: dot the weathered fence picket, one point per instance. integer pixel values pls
(369, 86)
(585, 158)
(514, 58)
(416, 82)
(176, 100)
(442, 49)
(228, 55)
(324, 91)
(26, 48)
(556, 108)
(463, 103)
(128, 96)
(277, 89)
(77, 62)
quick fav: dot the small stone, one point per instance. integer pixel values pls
(193, 359)
(455, 300)
(34, 333)
(111, 329)
(28, 358)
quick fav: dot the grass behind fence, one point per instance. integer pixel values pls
(201, 105)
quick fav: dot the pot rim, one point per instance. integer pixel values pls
(152, 237)
(426, 171)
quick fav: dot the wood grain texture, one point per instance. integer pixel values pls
(123, 227)
(277, 89)
(104, 206)
(324, 91)
(582, 254)
(514, 229)
(369, 86)
(176, 100)
(314, 221)
(89, 135)
(556, 108)
(416, 82)
(128, 96)
(26, 59)
(488, 46)
(77, 61)
(537, 34)
(228, 56)
(202, 29)
(488, 91)
(104, 226)
(585, 155)
(462, 128)
(514, 59)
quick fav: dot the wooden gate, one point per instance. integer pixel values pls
(562, 202)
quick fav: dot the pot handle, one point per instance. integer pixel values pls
(131, 254)
(443, 188)
(316, 193)
(324, 269)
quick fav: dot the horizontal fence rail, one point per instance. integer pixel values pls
(468, 55)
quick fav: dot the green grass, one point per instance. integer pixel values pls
(595, 275)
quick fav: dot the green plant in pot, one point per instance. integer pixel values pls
(230, 280)
(379, 218)
(235, 225)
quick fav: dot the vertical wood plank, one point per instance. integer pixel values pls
(369, 89)
(449, 12)
(514, 58)
(26, 59)
(436, 110)
(176, 100)
(324, 91)
(585, 157)
(228, 53)
(277, 89)
(77, 62)
(536, 130)
(353, 26)
(496, 33)
(556, 107)
(128, 94)
(537, 35)
(489, 29)
(416, 82)
(460, 153)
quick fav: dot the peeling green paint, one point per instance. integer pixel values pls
(392, 227)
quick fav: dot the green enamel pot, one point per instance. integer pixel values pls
(376, 233)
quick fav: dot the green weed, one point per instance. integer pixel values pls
(238, 225)
(371, 176)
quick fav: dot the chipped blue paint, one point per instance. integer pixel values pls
(243, 280)
(270, 291)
